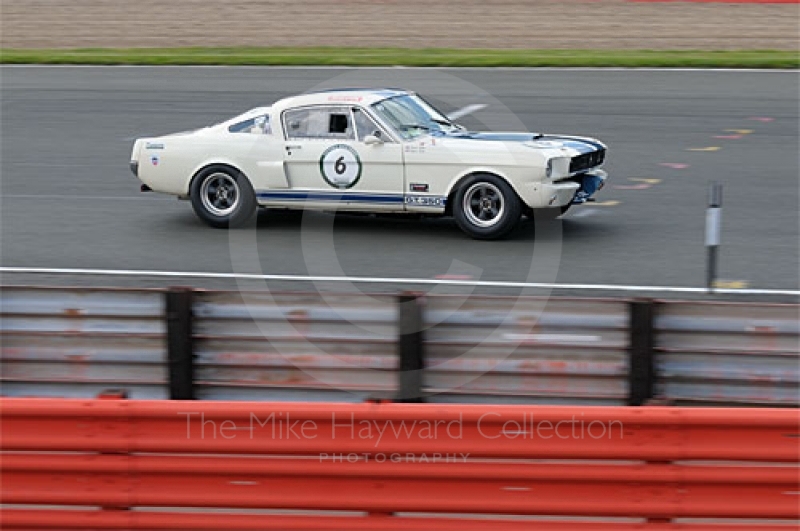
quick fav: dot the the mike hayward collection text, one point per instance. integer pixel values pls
(490, 425)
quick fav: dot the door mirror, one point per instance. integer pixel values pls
(372, 140)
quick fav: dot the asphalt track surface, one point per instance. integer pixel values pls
(69, 200)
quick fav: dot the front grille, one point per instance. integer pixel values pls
(587, 161)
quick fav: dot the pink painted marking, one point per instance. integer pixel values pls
(675, 165)
(729, 137)
(764, 119)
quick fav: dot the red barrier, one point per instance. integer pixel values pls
(654, 433)
(381, 459)
(12, 520)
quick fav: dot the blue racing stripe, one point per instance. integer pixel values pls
(356, 197)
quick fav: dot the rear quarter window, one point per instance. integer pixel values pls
(257, 125)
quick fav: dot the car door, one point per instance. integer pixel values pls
(334, 159)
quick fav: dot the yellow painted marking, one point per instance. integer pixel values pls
(731, 284)
(710, 148)
(739, 131)
(648, 181)
(604, 203)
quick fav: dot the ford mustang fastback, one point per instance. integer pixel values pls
(377, 150)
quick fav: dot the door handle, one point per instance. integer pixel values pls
(289, 148)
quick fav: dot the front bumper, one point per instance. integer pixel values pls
(552, 194)
(557, 194)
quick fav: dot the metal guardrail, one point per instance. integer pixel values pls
(340, 347)
(527, 349)
(77, 342)
(728, 353)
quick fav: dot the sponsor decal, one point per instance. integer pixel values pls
(340, 166)
(154, 160)
(349, 99)
(153, 145)
(418, 187)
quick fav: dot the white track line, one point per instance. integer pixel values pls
(379, 280)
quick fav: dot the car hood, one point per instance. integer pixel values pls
(577, 144)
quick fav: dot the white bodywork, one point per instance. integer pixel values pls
(288, 166)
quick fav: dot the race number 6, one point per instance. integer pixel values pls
(340, 166)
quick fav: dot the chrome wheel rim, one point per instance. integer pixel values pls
(220, 194)
(484, 204)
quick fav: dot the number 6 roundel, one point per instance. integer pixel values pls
(340, 166)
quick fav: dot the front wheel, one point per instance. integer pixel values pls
(486, 207)
(223, 197)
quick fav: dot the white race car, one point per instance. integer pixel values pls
(379, 150)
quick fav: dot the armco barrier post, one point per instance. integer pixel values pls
(410, 347)
(180, 352)
(641, 370)
(713, 228)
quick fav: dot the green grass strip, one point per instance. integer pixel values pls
(405, 57)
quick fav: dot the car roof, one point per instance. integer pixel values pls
(345, 96)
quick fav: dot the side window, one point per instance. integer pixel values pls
(319, 122)
(258, 125)
(365, 126)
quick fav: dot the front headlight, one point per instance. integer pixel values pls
(548, 172)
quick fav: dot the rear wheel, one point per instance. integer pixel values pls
(223, 197)
(486, 207)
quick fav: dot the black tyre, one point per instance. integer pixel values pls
(223, 197)
(486, 207)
